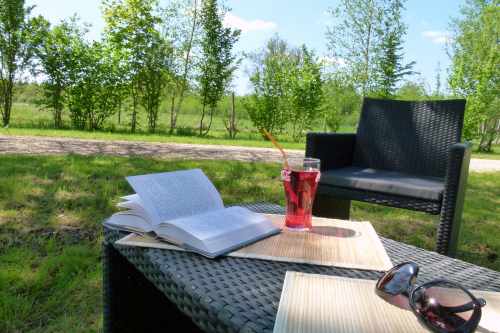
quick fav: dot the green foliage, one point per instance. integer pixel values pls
(267, 104)
(19, 35)
(181, 21)
(130, 28)
(286, 88)
(155, 77)
(26, 92)
(358, 38)
(218, 63)
(342, 102)
(94, 95)
(413, 91)
(306, 96)
(390, 70)
(474, 73)
(58, 54)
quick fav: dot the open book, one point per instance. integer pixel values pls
(184, 208)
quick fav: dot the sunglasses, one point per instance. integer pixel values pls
(441, 305)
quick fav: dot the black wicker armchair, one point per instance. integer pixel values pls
(404, 154)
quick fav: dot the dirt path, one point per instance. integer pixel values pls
(62, 146)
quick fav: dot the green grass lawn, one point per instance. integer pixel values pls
(51, 209)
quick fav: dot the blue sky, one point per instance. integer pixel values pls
(299, 22)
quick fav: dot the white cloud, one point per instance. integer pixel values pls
(435, 33)
(340, 62)
(235, 22)
(439, 36)
(424, 23)
(326, 22)
(440, 40)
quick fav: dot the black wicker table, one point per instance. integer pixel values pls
(155, 290)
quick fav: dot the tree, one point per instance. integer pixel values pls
(19, 35)
(155, 77)
(181, 20)
(57, 55)
(306, 93)
(131, 29)
(218, 63)
(274, 46)
(390, 71)
(358, 38)
(341, 100)
(268, 102)
(286, 89)
(414, 90)
(475, 70)
(93, 95)
(273, 61)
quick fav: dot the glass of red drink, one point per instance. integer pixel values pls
(300, 178)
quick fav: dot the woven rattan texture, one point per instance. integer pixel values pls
(335, 150)
(125, 290)
(453, 198)
(233, 294)
(331, 207)
(430, 207)
(408, 136)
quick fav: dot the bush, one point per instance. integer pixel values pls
(186, 131)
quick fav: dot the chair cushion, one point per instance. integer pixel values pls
(388, 182)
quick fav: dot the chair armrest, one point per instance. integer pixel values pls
(457, 170)
(335, 150)
(455, 184)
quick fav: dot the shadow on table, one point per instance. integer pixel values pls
(335, 232)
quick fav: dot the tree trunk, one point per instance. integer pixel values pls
(202, 116)
(498, 131)
(281, 115)
(324, 122)
(7, 101)
(231, 132)
(367, 51)
(210, 124)
(172, 109)
(134, 113)
(119, 110)
(184, 78)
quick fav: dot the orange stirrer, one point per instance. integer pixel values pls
(278, 146)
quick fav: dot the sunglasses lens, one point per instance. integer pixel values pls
(443, 305)
(397, 279)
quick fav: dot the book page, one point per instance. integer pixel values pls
(170, 195)
(215, 223)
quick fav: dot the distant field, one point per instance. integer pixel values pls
(27, 120)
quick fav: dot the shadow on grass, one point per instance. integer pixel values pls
(40, 192)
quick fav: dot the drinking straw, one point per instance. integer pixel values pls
(278, 146)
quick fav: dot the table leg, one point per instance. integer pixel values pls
(131, 303)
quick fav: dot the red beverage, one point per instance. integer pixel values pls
(300, 188)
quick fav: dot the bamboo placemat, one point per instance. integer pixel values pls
(337, 243)
(320, 303)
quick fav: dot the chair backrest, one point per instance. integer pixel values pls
(408, 136)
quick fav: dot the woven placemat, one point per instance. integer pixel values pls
(320, 303)
(337, 243)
